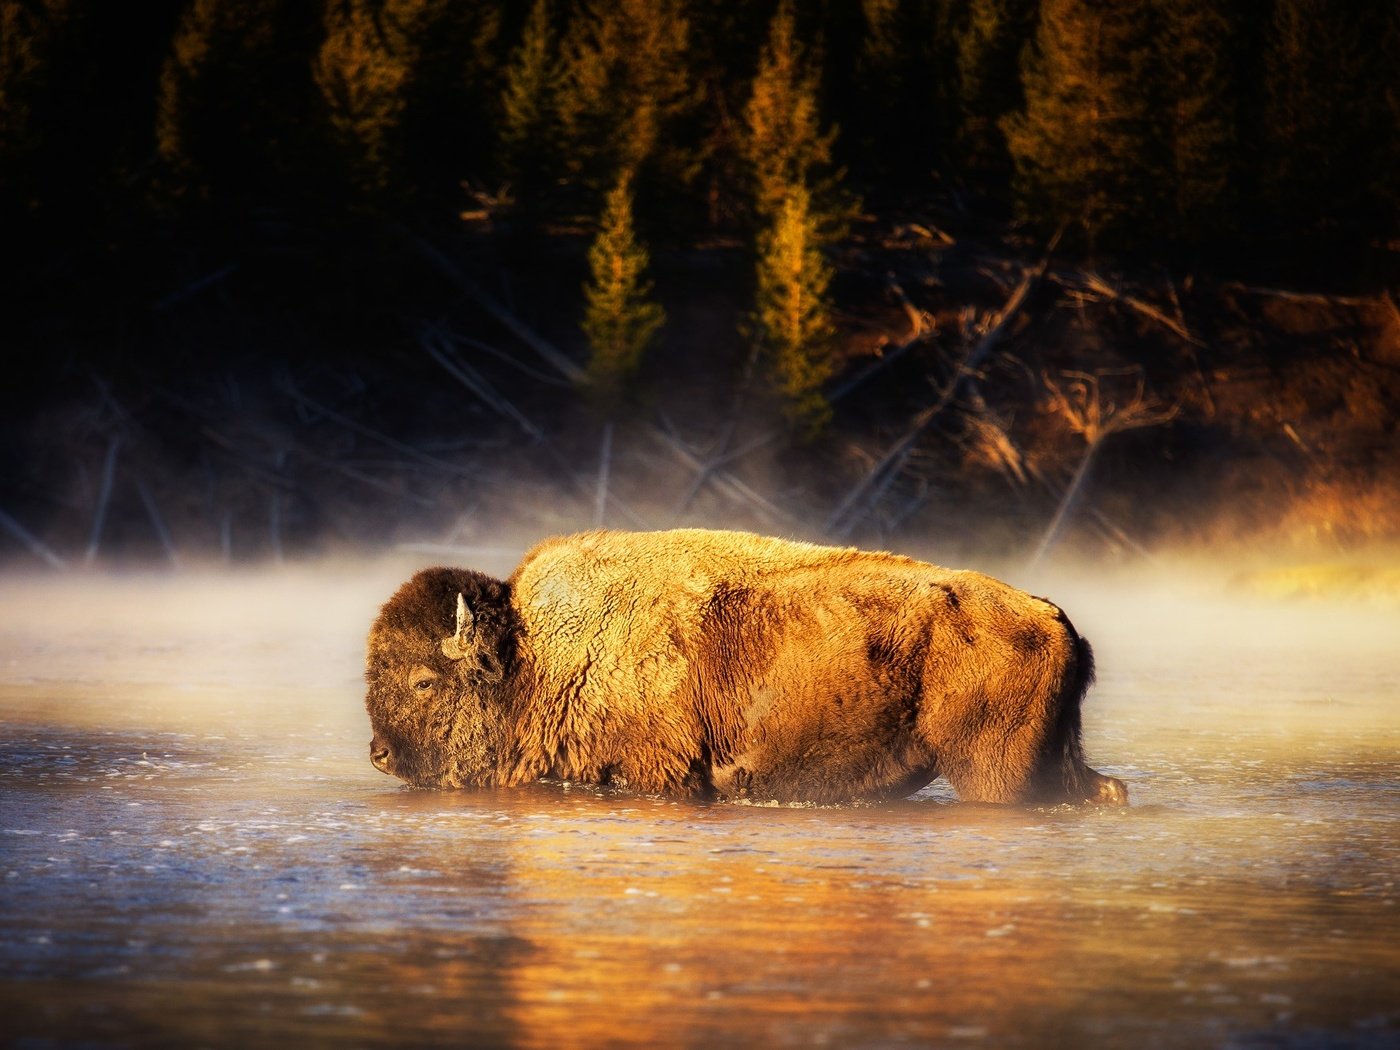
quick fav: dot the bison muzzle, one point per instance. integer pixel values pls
(724, 665)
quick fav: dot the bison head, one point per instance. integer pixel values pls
(438, 667)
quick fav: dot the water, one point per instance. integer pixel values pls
(194, 850)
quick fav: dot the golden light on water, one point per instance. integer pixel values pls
(196, 844)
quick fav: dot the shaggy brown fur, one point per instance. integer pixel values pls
(729, 665)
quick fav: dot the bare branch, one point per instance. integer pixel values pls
(600, 504)
(370, 432)
(1088, 283)
(192, 289)
(1080, 398)
(36, 546)
(477, 384)
(104, 496)
(725, 483)
(848, 513)
(1299, 297)
(546, 351)
(158, 525)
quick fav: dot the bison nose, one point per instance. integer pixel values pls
(379, 757)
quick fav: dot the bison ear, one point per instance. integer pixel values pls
(489, 666)
(457, 645)
(473, 651)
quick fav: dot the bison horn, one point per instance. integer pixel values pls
(456, 646)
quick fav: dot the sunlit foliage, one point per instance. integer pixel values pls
(1147, 126)
(625, 81)
(784, 144)
(1083, 145)
(361, 76)
(989, 43)
(792, 315)
(529, 127)
(620, 319)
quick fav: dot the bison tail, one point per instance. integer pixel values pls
(1067, 743)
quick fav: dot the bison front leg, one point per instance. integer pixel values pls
(1049, 785)
(1104, 790)
(1038, 761)
(1068, 779)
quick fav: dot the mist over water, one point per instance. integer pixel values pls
(194, 849)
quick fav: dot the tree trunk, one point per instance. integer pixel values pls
(1067, 501)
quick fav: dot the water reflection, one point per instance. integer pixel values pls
(216, 864)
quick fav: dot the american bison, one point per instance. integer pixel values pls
(725, 665)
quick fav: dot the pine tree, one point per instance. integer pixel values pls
(1331, 148)
(898, 105)
(624, 82)
(29, 39)
(1083, 146)
(1197, 113)
(724, 38)
(452, 93)
(989, 44)
(361, 80)
(235, 98)
(792, 315)
(529, 138)
(393, 77)
(880, 63)
(76, 80)
(784, 144)
(620, 319)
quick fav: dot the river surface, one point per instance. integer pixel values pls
(195, 851)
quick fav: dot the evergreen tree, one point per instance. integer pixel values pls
(792, 315)
(361, 81)
(882, 41)
(620, 319)
(624, 82)
(897, 110)
(30, 35)
(1083, 145)
(724, 37)
(452, 93)
(235, 98)
(1197, 114)
(529, 137)
(393, 74)
(784, 144)
(1331, 149)
(989, 43)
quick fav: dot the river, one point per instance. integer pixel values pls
(195, 851)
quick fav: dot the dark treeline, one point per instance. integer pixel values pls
(1166, 128)
(193, 192)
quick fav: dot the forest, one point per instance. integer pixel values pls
(287, 277)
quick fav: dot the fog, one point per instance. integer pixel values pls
(195, 848)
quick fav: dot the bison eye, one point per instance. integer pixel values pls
(422, 680)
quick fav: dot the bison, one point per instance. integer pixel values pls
(725, 665)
